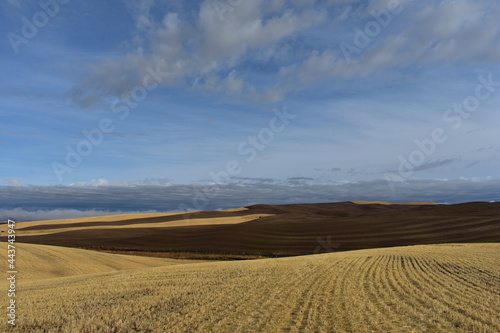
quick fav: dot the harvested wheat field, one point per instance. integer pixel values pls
(36, 262)
(423, 288)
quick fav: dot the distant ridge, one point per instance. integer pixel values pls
(276, 230)
(393, 203)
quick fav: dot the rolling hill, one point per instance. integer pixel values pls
(38, 262)
(275, 230)
(425, 288)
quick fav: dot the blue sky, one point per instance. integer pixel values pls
(312, 100)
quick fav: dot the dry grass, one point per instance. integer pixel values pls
(105, 218)
(427, 288)
(36, 262)
(186, 255)
(140, 222)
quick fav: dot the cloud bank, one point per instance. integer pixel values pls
(42, 202)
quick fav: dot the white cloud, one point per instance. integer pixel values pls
(437, 31)
(12, 180)
(140, 10)
(93, 182)
(101, 182)
(235, 88)
(317, 67)
(206, 52)
(207, 49)
(247, 28)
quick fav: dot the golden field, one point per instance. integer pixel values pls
(37, 262)
(424, 288)
(412, 267)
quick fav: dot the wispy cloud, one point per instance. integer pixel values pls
(12, 180)
(201, 54)
(436, 164)
(211, 55)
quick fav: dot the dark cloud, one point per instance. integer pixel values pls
(436, 164)
(424, 166)
(294, 181)
(209, 197)
(254, 180)
(485, 149)
(472, 164)
(475, 130)
(328, 170)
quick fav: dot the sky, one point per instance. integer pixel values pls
(154, 105)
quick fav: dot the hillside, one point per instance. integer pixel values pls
(37, 262)
(427, 288)
(275, 230)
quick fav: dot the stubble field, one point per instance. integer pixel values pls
(424, 288)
